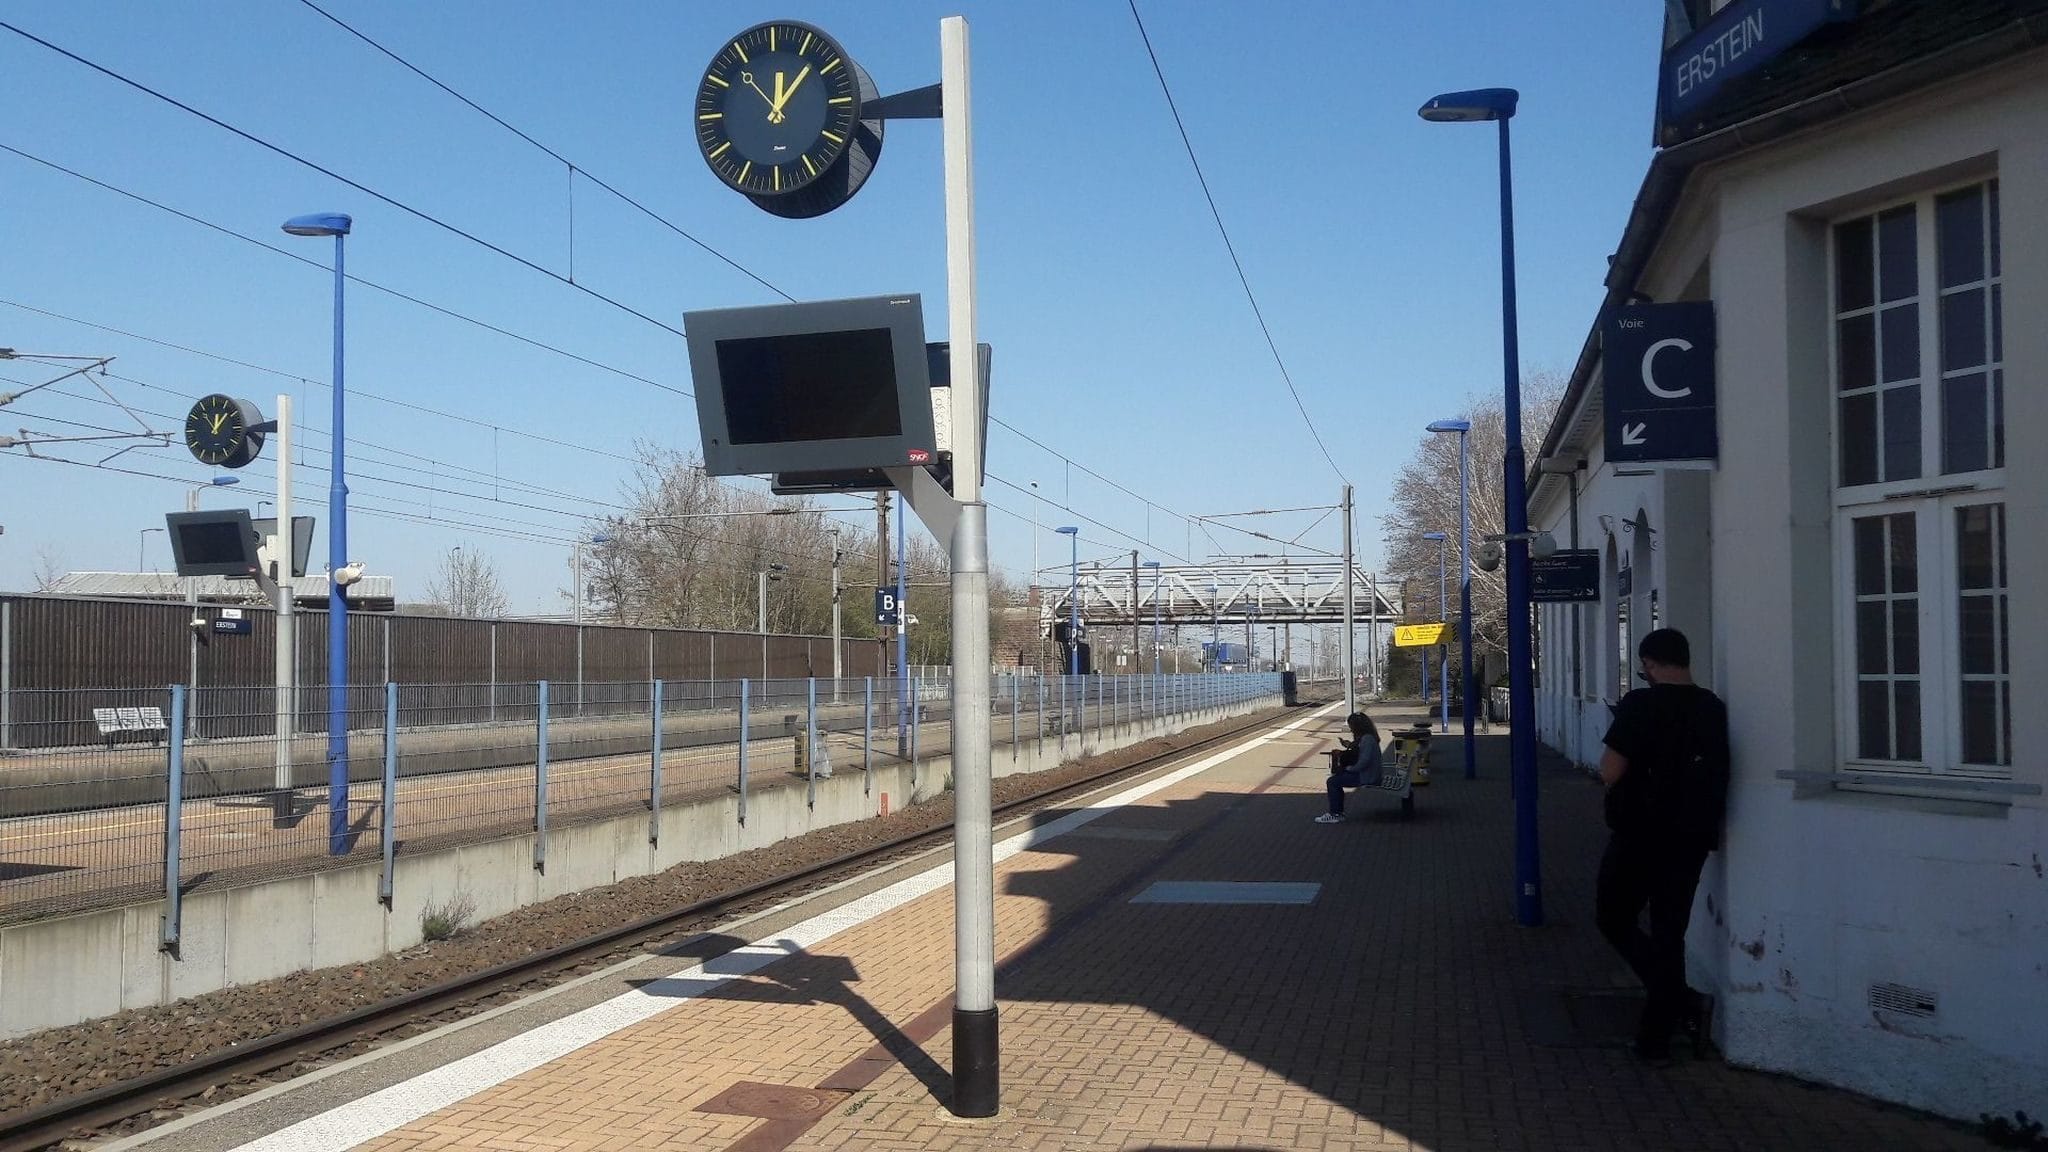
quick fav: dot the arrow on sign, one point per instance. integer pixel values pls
(1633, 433)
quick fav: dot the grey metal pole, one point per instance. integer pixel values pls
(576, 579)
(976, 1071)
(837, 671)
(540, 783)
(1465, 672)
(192, 637)
(903, 702)
(6, 673)
(174, 814)
(1350, 662)
(654, 773)
(745, 723)
(387, 824)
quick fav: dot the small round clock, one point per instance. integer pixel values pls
(778, 119)
(220, 430)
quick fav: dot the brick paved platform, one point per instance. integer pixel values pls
(1399, 1007)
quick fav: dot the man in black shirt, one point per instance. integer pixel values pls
(1666, 771)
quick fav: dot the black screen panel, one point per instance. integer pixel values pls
(809, 386)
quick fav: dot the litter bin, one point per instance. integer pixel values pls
(1414, 742)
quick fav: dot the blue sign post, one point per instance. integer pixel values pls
(1659, 385)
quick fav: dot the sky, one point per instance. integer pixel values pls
(1127, 358)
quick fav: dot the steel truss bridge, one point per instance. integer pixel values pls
(1236, 593)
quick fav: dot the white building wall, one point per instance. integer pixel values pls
(1821, 893)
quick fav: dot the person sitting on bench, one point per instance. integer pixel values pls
(1357, 766)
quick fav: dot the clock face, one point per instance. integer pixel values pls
(217, 432)
(776, 108)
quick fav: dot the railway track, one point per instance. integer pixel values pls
(121, 1105)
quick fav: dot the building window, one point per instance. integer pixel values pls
(1918, 369)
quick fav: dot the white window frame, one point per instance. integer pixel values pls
(1932, 498)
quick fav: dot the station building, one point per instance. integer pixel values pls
(1861, 193)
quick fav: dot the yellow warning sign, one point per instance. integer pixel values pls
(1418, 635)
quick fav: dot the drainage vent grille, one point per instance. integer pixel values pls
(1902, 999)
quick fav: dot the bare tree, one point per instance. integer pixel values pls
(466, 584)
(50, 567)
(1425, 499)
(689, 551)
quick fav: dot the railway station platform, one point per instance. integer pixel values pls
(1184, 962)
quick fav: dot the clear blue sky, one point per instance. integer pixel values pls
(1123, 340)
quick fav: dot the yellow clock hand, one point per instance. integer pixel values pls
(790, 91)
(218, 421)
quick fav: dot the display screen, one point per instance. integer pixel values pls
(213, 543)
(222, 542)
(810, 386)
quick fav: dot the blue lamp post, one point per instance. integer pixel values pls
(1154, 566)
(335, 224)
(1073, 535)
(1443, 694)
(1470, 682)
(1498, 105)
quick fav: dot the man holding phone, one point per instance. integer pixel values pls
(1666, 771)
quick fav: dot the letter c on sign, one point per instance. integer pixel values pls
(1650, 372)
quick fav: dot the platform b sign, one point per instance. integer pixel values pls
(885, 607)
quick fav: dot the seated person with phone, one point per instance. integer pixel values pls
(1357, 765)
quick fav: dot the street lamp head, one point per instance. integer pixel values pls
(600, 538)
(224, 481)
(1435, 536)
(1560, 465)
(1151, 564)
(319, 224)
(1460, 426)
(1068, 531)
(1478, 104)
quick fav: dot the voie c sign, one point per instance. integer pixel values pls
(1740, 38)
(1657, 380)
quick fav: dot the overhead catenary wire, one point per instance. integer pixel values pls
(501, 251)
(1217, 214)
(665, 222)
(281, 374)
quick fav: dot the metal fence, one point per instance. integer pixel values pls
(161, 807)
(54, 648)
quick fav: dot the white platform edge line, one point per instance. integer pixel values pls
(386, 1110)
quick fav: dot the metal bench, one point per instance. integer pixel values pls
(112, 722)
(1399, 767)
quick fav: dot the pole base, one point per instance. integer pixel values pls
(977, 1076)
(284, 807)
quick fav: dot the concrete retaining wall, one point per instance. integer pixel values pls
(79, 968)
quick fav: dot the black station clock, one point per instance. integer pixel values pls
(778, 118)
(222, 431)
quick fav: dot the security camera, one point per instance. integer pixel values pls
(196, 623)
(349, 573)
(1488, 555)
(1542, 545)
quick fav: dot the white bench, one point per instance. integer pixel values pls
(114, 721)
